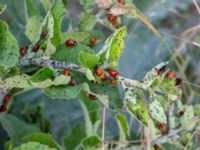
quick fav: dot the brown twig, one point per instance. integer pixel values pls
(103, 128)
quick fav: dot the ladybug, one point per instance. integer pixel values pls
(5, 102)
(71, 42)
(91, 97)
(93, 40)
(36, 47)
(3, 108)
(112, 81)
(6, 99)
(111, 18)
(171, 75)
(113, 73)
(66, 72)
(161, 70)
(121, 2)
(162, 128)
(72, 82)
(158, 71)
(180, 113)
(156, 146)
(99, 72)
(178, 82)
(22, 51)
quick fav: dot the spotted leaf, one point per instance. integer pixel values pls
(113, 48)
(8, 46)
(156, 110)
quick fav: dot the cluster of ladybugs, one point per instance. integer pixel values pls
(22, 50)
(99, 72)
(69, 42)
(170, 75)
(112, 18)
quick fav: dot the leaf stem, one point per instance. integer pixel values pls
(103, 128)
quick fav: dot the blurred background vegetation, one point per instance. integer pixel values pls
(177, 20)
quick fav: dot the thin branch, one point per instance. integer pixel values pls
(103, 128)
(196, 5)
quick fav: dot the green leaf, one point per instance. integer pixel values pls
(50, 49)
(87, 5)
(2, 8)
(90, 110)
(19, 81)
(30, 9)
(69, 54)
(33, 146)
(33, 27)
(152, 75)
(16, 128)
(24, 81)
(186, 119)
(46, 4)
(33, 113)
(136, 105)
(109, 92)
(88, 60)
(7, 145)
(89, 75)
(91, 143)
(87, 22)
(73, 140)
(77, 36)
(58, 9)
(8, 46)
(151, 130)
(57, 34)
(62, 92)
(8, 72)
(123, 127)
(41, 138)
(197, 109)
(113, 48)
(185, 138)
(59, 80)
(42, 74)
(156, 110)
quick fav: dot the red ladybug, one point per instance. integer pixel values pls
(158, 71)
(111, 18)
(3, 108)
(156, 147)
(171, 75)
(93, 40)
(113, 73)
(6, 99)
(162, 128)
(22, 51)
(121, 2)
(178, 82)
(71, 42)
(99, 72)
(66, 72)
(112, 81)
(36, 48)
(72, 82)
(91, 97)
